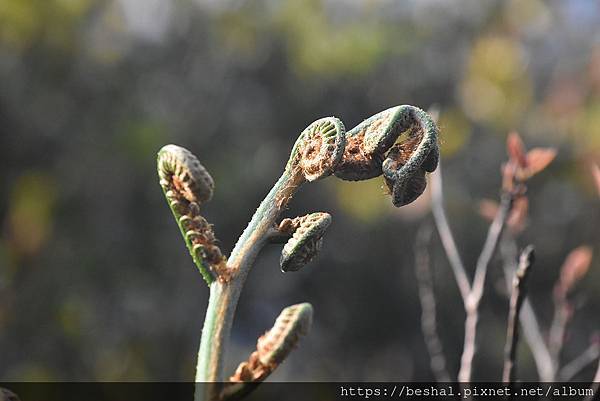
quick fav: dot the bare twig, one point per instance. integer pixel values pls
(441, 222)
(491, 243)
(560, 321)
(474, 298)
(471, 295)
(573, 368)
(527, 317)
(519, 292)
(428, 305)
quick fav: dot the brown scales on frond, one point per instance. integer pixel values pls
(183, 188)
(285, 195)
(251, 370)
(358, 164)
(406, 149)
(308, 156)
(197, 230)
(289, 226)
(314, 156)
(274, 346)
(376, 125)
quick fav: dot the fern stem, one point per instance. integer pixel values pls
(224, 296)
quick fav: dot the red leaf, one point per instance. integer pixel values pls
(488, 209)
(596, 174)
(517, 217)
(575, 267)
(516, 149)
(538, 159)
(518, 214)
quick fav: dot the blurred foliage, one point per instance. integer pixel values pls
(318, 45)
(30, 213)
(363, 200)
(52, 22)
(456, 131)
(496, 89)
(95, 283)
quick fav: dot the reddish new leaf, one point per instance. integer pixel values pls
(575, 267)
(596, 174)
(516, 149)
(518, 214)
(538, 159)
(488, 209)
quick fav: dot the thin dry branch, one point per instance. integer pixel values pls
(558, 328)
(443, 228)
(474, 298)
(528, 319)
(491, 243)
(471, 294)
(428, 305)
(519, 292)
(573, 368)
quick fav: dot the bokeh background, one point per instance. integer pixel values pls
(95, 281)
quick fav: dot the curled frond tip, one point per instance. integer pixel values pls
(319, 148)
(179, 168)
(306, 241)
(379, 146)
(276, 344)
(187, 185)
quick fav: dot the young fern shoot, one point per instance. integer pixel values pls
(375, 147)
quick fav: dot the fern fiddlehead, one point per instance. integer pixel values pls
(319, 148)
(324, 148)
(187, 185)
(372, 150)
(306, 239)
(275, 345)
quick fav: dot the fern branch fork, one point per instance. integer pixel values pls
(375, 147)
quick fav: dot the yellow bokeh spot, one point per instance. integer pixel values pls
(455, 130)
(239, 32)
(588, 128)
(319, 46)
(69, 315)
(30, 213)
(497, 59)
(528, 14)
(19, 22)
(53, 22)
(496, 88)
(366, 201)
